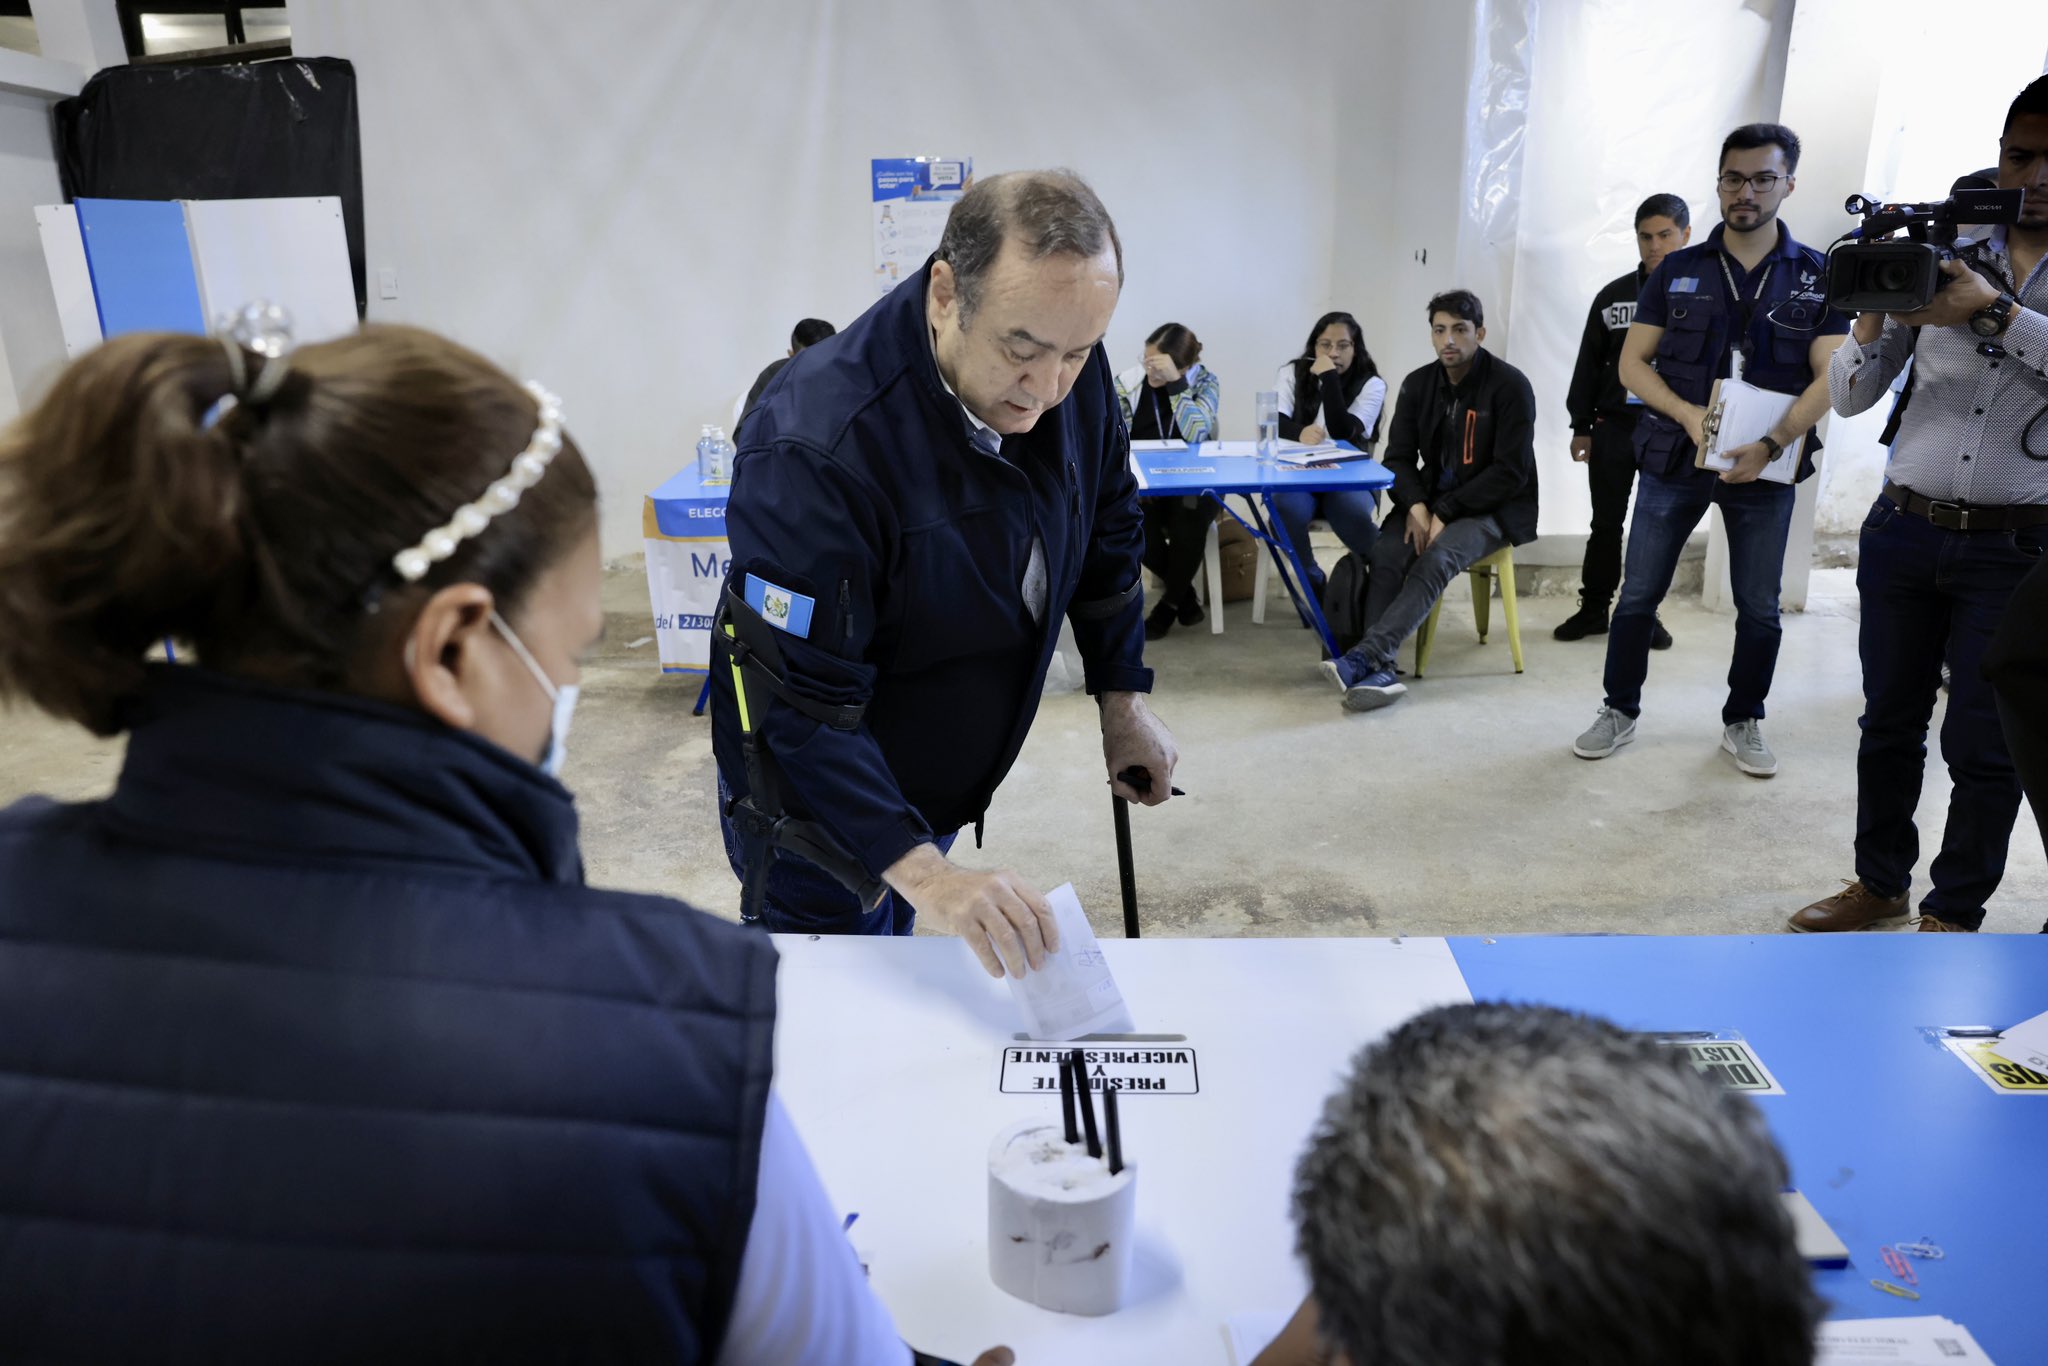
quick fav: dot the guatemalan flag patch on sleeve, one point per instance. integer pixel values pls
(782, 608)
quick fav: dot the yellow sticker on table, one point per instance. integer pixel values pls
(2000, 1074)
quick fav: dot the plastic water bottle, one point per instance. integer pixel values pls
(722, 453)
(705, 457)
(1267, 403)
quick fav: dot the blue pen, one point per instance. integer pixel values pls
(849, 1221)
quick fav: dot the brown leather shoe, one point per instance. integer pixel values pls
(1934, 924)
(1855, 907)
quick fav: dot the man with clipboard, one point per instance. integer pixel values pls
(1749, 296)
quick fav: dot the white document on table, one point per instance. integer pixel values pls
(1740, 414)
(1074, 993)
(1927, 1340)
(1325, 453)
(1159, 445)
(2026, 1043)
(1211, 449)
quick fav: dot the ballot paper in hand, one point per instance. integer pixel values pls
(1741, 414)
(1927, 1340)
(1074, 993)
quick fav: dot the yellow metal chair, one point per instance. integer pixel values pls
(1499, 565)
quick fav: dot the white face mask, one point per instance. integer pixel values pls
(563, 695)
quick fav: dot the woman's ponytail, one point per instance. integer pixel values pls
(121, 523)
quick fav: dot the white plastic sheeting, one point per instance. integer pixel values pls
(1496, 134)
(1629, 98)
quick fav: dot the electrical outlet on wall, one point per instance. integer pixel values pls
(387, 282)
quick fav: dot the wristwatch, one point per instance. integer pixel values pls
(1991, 319)
(1773, 445)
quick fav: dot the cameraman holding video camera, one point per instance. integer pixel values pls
(1963, 517)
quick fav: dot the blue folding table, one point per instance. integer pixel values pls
(1198, 470)
(1891, 1136)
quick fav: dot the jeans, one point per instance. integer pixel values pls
(1758, 516)
(1349, 512)
(1931, 595)
(1176, 535)
(1611, 470)
(802, 898)
(1405, 586)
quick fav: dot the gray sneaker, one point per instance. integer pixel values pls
(1611, 730)
(1745, 740)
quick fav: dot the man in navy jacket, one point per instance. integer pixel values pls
(919, 502)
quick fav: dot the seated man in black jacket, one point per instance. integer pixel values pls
(1464, 467)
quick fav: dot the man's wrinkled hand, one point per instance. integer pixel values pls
(1003, 919)
(1582, 449)
(1132, 737)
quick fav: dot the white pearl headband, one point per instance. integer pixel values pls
(502, 496)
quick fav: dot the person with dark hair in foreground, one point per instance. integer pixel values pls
(1171, 396)
(1463, 458)
(1604, 413)
(912, 521)
(1501, 1184)
(314, 1045)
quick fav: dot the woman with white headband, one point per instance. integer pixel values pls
(314, 1046)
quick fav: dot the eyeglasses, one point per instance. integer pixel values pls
(1765, 181)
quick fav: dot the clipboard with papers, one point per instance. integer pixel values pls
(1739, 414)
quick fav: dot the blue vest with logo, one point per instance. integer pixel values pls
(1703, 324)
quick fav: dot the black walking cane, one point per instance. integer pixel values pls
(1127, 877)
(1138, 780)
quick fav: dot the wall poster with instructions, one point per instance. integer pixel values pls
(911, 198)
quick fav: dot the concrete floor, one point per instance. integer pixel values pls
(1458, 810)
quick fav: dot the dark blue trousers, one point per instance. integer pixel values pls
(1932, 596)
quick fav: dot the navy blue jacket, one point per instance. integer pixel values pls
(858, 487)
(314, 1047)
(1688, 296)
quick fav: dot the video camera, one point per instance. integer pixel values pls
(1869, 275)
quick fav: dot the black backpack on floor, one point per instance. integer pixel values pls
(1344, 599)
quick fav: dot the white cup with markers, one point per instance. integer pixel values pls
(1062, 1204)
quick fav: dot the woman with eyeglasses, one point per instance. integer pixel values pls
(1331, 392)
(314, 1044)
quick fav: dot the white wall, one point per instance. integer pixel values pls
(635, 207)
(31, 342)
(1400, 174)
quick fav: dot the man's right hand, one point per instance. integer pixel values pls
(1416, 533)
(1582, 448)
(1867, 328)
(1007, 924)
